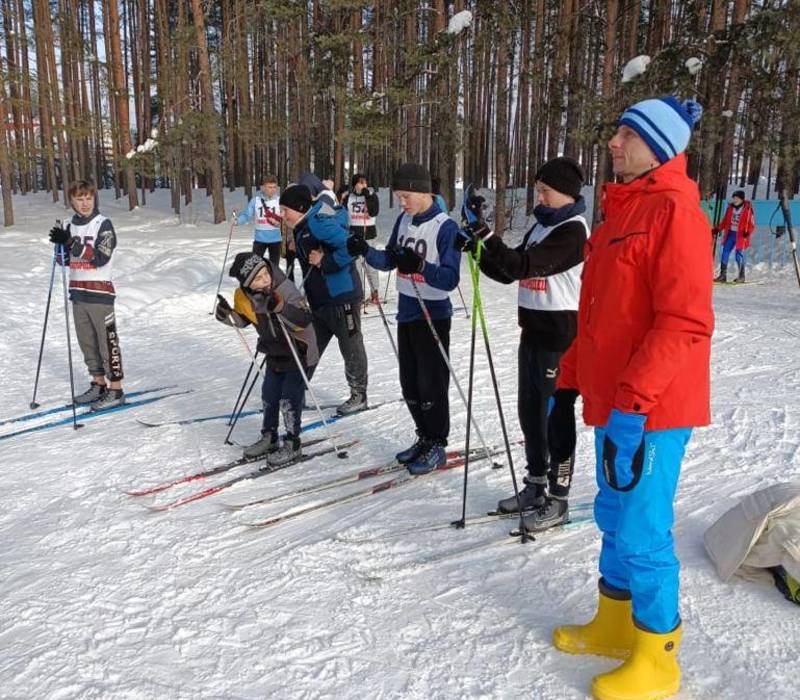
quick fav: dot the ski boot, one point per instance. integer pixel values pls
(431, 457)
(650, 672)
(723, 274)
(410, 453)
(532, 496)
(609, 633)
(552, 513)
(357, 402)
(289, 452)
(110, 398)
(740, 277)
(268, 442)
(92, 394)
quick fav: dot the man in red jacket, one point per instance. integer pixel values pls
(738, 225)
(641, 363)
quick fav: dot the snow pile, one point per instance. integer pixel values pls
(635, 67)
(693, 65)
(459, 22)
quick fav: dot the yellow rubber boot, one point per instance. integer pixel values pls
(610, 633)
(651, 671)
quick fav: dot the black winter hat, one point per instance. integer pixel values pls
(740, 194)
(562, 174)
(245, 267)
(297, 197)
(411, 177)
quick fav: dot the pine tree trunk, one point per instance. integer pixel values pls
(213, 166)
(501, 118)
(121, 99)
(5, 164)
(602, 172)
(27, 102)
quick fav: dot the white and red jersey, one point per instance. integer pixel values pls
(90, 258)
(357, 211)
(559, 292)
(423, 240)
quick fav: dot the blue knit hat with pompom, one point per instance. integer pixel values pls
(664, 123)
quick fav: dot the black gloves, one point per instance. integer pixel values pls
(356, 245)
(468, 237)
(408, 262)
(59, 235)
(561, 436)
(474, 204)
(223, 310)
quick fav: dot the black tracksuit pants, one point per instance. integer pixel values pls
(424, 377)
(537, 374)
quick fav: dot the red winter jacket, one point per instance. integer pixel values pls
(645, 317)
(746, 225)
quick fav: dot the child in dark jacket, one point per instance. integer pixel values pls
(267, 299)
(547, 265)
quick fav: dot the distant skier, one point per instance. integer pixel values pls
(422, 248)
(436, 189)
(264, 210)
(332, 284)
(319, 189)
(548, 265)
(89, 240)
(265, 298)
(738, 225)
(363, 206)
(640, 361)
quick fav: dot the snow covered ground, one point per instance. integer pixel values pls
(102, 598)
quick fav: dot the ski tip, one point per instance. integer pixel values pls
(155, 507)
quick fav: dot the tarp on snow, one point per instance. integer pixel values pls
(762, 531)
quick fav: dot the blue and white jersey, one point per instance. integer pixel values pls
(265, 214)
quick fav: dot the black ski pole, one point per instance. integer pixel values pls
(244, 402)
(787, 217)
(75, 424)
(224, 261)
(340, 453)
(244, 384)
(524, 536)
(460, 524)
(373, 289)
(463, 303)
(33, 403)
(386, 291)
(427, 314)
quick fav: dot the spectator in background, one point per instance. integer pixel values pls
(738, 225)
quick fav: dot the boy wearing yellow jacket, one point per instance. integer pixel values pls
(266, 299)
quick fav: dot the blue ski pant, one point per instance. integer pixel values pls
(727, 246)
(282, 391)
(638, 553)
